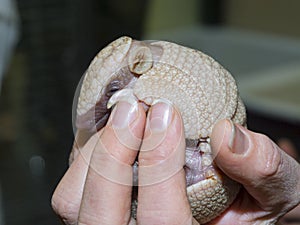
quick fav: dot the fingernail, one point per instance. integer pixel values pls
(123, 114)
(160, 116)
(238, 142)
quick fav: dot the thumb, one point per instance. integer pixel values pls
(269, 175)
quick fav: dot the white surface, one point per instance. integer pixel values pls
(8, 33)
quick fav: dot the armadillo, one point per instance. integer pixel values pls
(202, 90)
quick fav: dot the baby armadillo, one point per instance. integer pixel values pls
(202, 90)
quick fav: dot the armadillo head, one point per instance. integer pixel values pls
(202, 90)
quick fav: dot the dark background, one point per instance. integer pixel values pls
(58, 40)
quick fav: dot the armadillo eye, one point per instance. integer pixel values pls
(112, 88)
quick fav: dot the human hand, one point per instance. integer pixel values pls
(270, 177)
(84, 195)
(96, 189)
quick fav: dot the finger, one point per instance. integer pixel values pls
(81, 138)
(269, 175)
(67, 196)
(107, 192)
(162, 195)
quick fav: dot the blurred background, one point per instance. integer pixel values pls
(45, 46)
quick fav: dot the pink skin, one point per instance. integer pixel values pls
(269, 176)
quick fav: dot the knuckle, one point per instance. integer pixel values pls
(66, 210)
(270, 156)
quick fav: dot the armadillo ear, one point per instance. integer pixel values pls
(140, 59)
